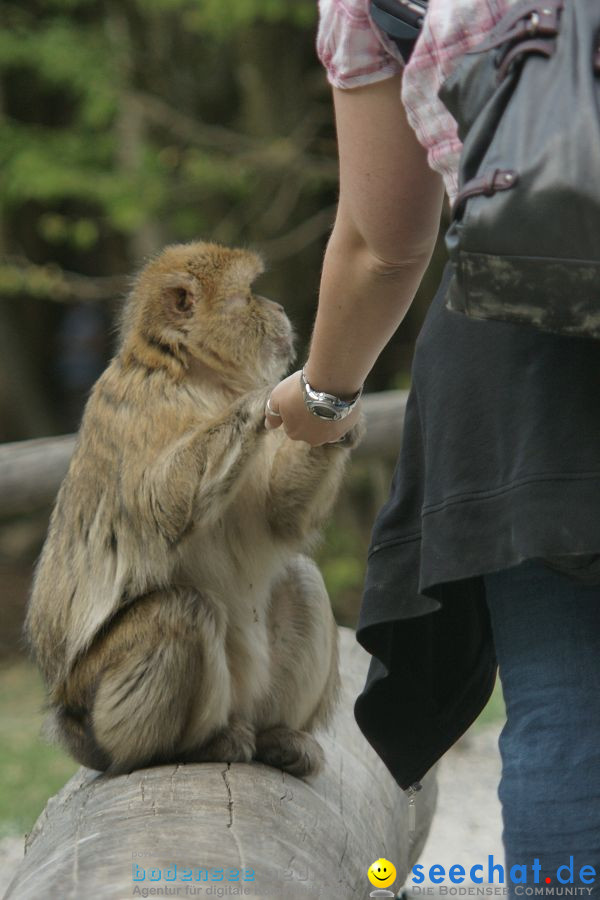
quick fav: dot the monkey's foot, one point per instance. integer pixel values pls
(297, 752)
(235, 743)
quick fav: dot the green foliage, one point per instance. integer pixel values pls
(207, 172)
(129, 124)
(33, 281)
(494, 711)
(62, 55)
(401, 381)
(342, 560)
(57, 229)
(342, 572)
(221, 19)
(50, 164)
(83, 149)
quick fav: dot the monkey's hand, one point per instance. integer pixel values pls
(198, 475)
(251, 408)
(304, 483)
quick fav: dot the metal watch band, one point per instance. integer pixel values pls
(327, 406)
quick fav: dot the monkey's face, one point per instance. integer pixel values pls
(198, 298)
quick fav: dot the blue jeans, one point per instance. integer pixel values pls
(546, 629)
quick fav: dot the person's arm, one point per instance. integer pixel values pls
(382, 241)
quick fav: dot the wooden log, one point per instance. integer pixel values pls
(260, 831)
(384, 413)
(31, 471)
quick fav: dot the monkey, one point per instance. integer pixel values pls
(176, 613)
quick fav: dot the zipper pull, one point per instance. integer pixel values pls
(412, 812)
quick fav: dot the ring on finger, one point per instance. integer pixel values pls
(270, 411)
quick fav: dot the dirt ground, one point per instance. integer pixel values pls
(467, 825)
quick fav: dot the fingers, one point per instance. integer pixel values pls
(338, 433)
(317, 432)
(285, 407)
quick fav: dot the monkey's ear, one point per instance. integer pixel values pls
(180, 293)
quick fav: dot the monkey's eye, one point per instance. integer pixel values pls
(182, 302)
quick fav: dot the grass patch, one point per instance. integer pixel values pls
(30, 770)
(494, 711)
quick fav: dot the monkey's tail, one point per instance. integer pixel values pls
(72, 730)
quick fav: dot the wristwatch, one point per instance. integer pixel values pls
(327, 406)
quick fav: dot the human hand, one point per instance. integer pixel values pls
(298, 422)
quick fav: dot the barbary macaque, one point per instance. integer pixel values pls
(174, 615)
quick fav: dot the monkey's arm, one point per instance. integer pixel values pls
(194, 479)
(304, 482)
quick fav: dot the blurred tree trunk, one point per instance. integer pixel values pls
(275, 103)
(21, 396)
(22, 408)
(130, 125)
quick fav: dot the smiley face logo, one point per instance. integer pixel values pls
(382, 873)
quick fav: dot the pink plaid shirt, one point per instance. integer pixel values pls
(355, 52)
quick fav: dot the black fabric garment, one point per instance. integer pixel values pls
(500, 462)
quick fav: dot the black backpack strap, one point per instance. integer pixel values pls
(401, 21)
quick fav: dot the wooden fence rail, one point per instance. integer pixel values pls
(31, 471)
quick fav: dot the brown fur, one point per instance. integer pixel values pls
(173, 614)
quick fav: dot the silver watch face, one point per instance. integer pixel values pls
(323, 410)
(326, 406)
